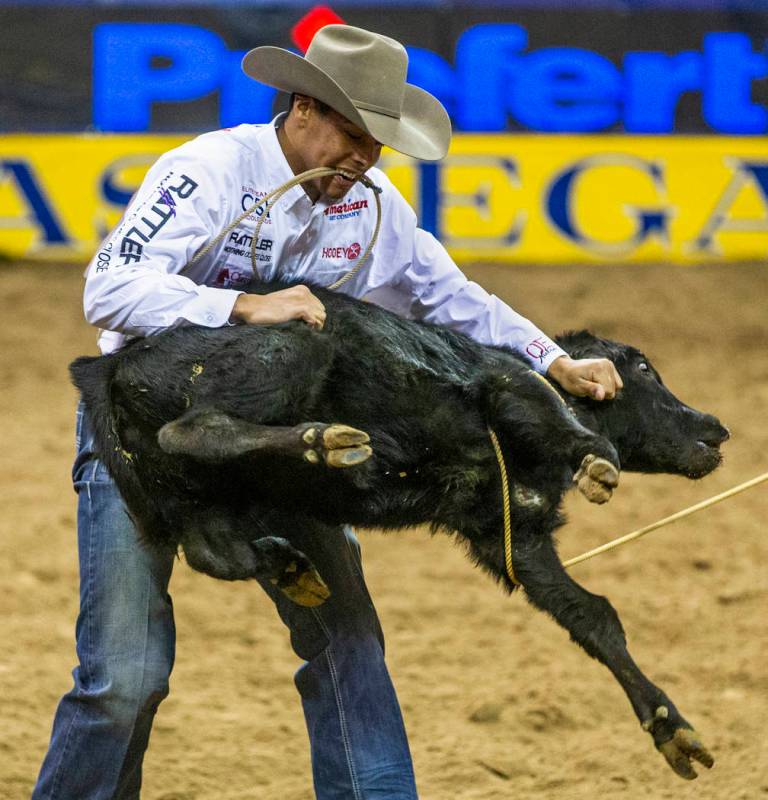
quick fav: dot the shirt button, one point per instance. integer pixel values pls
(209, 317)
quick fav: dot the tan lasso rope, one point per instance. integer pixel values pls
(742, 487)
(507, 512)
(269, 200)
(505, 488)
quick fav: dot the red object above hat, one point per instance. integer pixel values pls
(305, 29)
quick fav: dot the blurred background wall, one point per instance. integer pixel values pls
(586, 131)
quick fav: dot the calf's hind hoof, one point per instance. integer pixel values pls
(288, 570)
(681, 747)
(305, 588)
(596, 479)
(337, 445)
(684, 746)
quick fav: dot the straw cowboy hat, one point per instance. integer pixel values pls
(362, 76)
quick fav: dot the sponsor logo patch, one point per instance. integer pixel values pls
(350, 251)
(229, 277)
(166, 198)
(250, 196)
(540, 349)
(145, 229)
(345, 210)
(240, 245)
(245, 240)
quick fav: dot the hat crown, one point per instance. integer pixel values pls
(369, 67)
(362, 76)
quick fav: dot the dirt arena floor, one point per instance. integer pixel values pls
(497, 701)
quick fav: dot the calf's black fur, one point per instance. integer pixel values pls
(224, 441)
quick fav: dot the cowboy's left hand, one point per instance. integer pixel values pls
(586, 377)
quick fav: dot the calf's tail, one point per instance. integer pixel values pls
(94, 377)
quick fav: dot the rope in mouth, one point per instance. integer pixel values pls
(269, 200)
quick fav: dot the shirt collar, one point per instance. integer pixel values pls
(278, 169)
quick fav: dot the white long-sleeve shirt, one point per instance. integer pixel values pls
(140, 281)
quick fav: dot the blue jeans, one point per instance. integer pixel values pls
(125, 646)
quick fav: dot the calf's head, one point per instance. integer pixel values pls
(651, 429)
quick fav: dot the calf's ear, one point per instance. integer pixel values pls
(585, 344)
(581, 344)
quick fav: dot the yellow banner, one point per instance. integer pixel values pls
(551, 199)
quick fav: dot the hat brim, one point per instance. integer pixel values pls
(423, 129)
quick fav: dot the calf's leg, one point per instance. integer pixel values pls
(235, 544)
(542, 433)
(214, 436)
(594, 625)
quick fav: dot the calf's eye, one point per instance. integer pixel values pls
(643, 367)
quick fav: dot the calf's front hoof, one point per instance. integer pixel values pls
(596, 479)
(338, 445)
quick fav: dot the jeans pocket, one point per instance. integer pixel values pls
(87, 467)
(100, 472)
(79, 426)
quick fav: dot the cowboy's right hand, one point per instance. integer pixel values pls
(281, 306)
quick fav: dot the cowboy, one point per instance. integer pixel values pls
(349, 97)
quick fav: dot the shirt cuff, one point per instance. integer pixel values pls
(541, 352)
(213, 307)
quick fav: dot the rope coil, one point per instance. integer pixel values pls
(268, 202)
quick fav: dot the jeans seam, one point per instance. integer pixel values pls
(121, 796)
(355, 560)
(85, 656)
(78, 428)
(89, 601)
(358, 566)
(59, 772)
(340, 707)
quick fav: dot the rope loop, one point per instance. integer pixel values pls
(267, 203)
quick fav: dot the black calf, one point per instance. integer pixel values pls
(222, 441)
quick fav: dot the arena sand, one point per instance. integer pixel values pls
(498, 703)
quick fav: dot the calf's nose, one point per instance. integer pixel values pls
(715, 433)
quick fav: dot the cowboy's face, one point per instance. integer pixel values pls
(330, 140)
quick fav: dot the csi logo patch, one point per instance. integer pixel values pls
(350, 251)
(250, 196)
